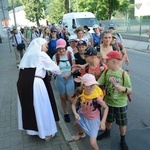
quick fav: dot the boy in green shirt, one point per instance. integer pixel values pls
(117, 88)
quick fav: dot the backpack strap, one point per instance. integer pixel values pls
(57, 55)
(69, 56)
(87, 68)
(129, 98)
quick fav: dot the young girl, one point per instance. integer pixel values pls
(88, 116)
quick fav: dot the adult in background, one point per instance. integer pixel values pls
(52, 42)
(113, 30)
(37, 111)
(80, 33)
(88, 36)
(97, 35)
(34, 34)
(17, 38)
(73, 44)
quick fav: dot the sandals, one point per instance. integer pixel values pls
(78, 136)
(49, 138)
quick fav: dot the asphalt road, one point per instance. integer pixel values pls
(138, 131)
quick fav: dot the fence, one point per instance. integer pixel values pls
(130, 26)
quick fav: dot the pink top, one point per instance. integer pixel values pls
(88, 110)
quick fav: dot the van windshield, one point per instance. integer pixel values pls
(86, 21)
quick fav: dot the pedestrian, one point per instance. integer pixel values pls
(88, 36)
(37, 111)
(64, 82)
(17, 38)
(117, 46)
(52, 42)
(97, 35)
(117, 90)
(80, 33)
(105, 46)
(88, 116)
(94, 65)
(72, 40)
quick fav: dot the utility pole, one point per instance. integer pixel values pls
(12, 1)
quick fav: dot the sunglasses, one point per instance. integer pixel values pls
(53, 31)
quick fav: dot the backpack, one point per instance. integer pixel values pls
(129, 98)
(87, 67)
(69, 55)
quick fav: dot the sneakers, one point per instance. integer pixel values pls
(124, 146)
(105, 134)
(78, 136)
(66, 118)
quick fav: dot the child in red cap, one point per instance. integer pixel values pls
(117, 90)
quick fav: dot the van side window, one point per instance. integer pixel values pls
(73, 24)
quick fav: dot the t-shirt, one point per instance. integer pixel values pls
(87, 108)
(113, 97)
(64, 63)
(79, 59)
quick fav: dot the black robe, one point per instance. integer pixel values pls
(25, 92)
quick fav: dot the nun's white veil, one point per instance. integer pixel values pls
(32, 54)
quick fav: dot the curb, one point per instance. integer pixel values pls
(66, 133)
(141, 50)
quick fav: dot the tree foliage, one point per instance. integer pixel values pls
(103, 9)
(35, 10)
(56, 10)
(16, 4)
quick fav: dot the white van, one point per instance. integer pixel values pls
(76, 19)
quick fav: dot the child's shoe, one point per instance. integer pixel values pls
(105, 134)
(66, 118)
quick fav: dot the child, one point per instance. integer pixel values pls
(88, 116)
(117, 90)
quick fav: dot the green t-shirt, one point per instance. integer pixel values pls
(113, 97)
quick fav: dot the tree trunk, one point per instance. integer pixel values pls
(67, 6)
(109, 10)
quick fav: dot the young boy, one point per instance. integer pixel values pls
(117, 90)
(88, 116)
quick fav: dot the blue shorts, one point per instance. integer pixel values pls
(65, 86)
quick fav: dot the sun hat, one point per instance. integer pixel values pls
(95, 26)
(72, 38)
(88, 79)
(113, 54)
(86, 27)
(82, 42)
(111, 25)
(90, 51)
(61, 43)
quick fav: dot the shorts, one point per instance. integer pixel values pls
(118, 113)
(65, 86)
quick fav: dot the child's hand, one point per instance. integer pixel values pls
(77, 116)
(66, 76)
(120, 88)
(102, 126)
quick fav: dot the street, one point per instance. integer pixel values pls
(138, 110)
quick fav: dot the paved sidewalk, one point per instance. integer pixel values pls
(10, 137)
(137, 45)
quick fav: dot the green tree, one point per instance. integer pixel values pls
(103, 9)
(35, 10)
(16, 4)
(56, 10)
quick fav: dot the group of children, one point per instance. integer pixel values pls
(102, 100)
